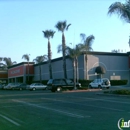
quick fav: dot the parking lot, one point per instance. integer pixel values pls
(44, 110)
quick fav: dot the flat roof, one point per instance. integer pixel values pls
(89, 53)
(108, 53)
(22, 63)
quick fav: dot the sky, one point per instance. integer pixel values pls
(22, 23)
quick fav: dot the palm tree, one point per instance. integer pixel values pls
(123, 10)
(8, 62)
(74, 53)
(27, 58)
(86, 46)
(1, 64)
(49, 34)
(38, 60)
(62, 26)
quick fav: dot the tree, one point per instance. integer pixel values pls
(27, 58)
(74, 53)
(86, 46)
(123, 10)
(49, 34)
(62, 26)
(38, 60)
(8, 62)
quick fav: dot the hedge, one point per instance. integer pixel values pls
(86, 82)
(113, 82)
(118, 82)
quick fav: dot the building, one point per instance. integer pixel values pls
(22, 72)
(115, 65)
(3, 75)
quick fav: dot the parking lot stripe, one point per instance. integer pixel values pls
(56, 110)
(10, 120)
(84, 104)
(106, 100)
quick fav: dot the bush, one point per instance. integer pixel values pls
(118, 82)
(84, 82)
(113, 82)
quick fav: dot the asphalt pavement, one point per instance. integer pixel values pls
(44, 110)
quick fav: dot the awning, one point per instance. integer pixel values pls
(100, 70)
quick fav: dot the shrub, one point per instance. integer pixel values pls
(118, 82)
(84, 82)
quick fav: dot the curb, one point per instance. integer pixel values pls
(88, 90)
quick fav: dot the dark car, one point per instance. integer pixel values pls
(60, 84)
(20, 86)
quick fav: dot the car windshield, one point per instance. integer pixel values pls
(50, 81)
(33, 83)
(97, 80)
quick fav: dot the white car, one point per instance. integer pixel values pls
(35, 86)
(9, 86)
(100, 83)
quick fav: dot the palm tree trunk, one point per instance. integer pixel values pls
(49, 59)
(28, 72)
(77, 70)
(50, 70)
(40, 73)
(86, 72)
(64, 58)
(74, 66)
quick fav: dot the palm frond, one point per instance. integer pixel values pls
(123, 10)
(8, 61)
(40, 59)
(59, 48)
(26, 57)
(83, 37)
(48, 33)
(62, 25)
(14, 62)
(89, 39)
(68, 26)
(73, 52)
(87, 44)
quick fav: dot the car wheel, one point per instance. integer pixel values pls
(89, 86)
(33, 89)
(107, 87)
(45, 88)
(59, 89)
(99, 86)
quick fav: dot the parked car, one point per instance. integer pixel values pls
(20, 86)
(9, 86)
(59, 84)
(1, 86)
(35, 86)
(100, 83)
